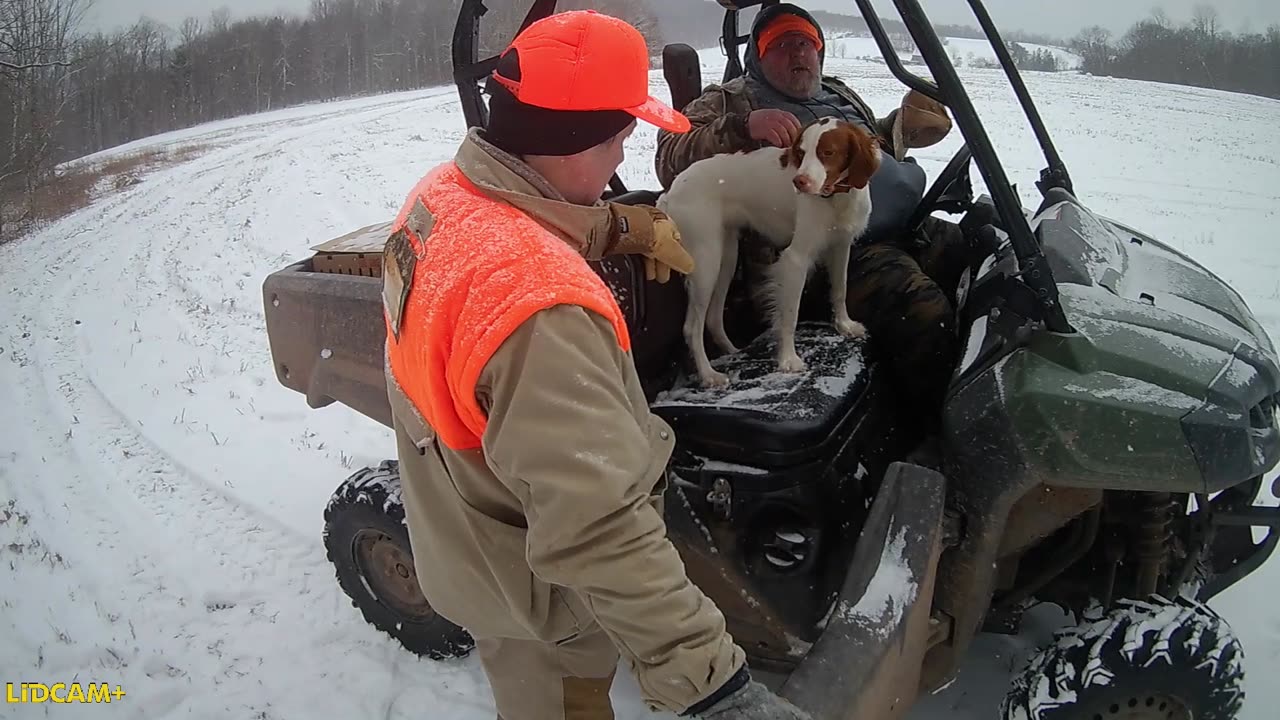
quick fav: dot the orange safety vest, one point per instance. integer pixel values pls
(483, 269)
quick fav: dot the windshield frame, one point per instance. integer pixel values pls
(948, 89)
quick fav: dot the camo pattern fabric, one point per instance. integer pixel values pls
(718, 120)
(906, 296)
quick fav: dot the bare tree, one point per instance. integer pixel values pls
(1093, 46)
(1206, 21)
(64, 94)
(35, 71)
(1198, 53)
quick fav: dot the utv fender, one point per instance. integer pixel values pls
(867, 662)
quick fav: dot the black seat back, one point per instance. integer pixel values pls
(683, 72)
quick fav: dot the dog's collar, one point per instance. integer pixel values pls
(839, 187)
(842, 185)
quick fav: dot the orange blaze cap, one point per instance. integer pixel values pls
(784, 24)
(583, 60)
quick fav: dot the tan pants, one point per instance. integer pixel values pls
(538, 681)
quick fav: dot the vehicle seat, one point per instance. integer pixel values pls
(683, 71)
(771, 419)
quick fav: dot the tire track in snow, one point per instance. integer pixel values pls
(187, 573)
(221, 609)
(130, 455)
(153, 619)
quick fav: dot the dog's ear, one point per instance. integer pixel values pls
(793, 154)
(864, 157)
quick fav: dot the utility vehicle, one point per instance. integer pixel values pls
(1106, 435)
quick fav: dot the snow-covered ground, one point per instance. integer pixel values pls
(963, 51)
(161, 494)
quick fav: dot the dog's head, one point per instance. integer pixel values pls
(832, 156)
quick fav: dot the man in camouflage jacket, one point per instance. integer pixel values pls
(901, 285)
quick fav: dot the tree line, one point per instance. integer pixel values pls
(65, 92)
(1198, 52)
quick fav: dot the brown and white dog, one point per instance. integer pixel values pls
(810, 198)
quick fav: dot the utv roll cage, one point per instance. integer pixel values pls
(1034, 292)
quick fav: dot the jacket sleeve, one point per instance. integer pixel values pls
(565, 438)
(716, 128)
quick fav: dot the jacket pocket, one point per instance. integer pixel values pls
(536, 609)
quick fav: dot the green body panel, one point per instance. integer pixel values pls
(1095, 426)
(1167, 384)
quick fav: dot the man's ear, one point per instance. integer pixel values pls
(864, 157)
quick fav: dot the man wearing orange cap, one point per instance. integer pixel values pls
(900, 286)
(532, 470)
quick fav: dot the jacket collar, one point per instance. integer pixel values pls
(505, 177)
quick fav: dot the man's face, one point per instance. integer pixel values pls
(791, 64)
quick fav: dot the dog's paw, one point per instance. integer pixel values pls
(714, 380)
(790, 363)
(850, 328)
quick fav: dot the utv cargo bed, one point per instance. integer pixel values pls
(325, 325)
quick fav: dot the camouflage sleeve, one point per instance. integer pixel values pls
(719, 125)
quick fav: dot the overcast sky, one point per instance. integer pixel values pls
(1062, 18)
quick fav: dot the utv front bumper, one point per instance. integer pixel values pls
(867, 663)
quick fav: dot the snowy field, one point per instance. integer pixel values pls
(963, 51)
(161, 494)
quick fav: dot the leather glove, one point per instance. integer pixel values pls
(753, 702)
(645, 230)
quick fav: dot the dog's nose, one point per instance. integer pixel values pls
(801, 182)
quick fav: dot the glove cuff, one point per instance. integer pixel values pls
(631, 231)
(734, 684)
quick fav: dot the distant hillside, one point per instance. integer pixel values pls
(697, 22)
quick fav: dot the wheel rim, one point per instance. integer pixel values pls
(1145, 706)
(388, 574)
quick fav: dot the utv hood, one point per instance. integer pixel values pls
(1166, 334)
(1086, 250)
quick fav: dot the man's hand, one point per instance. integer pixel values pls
(645, 230)
(667, 253)
(776, 127)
